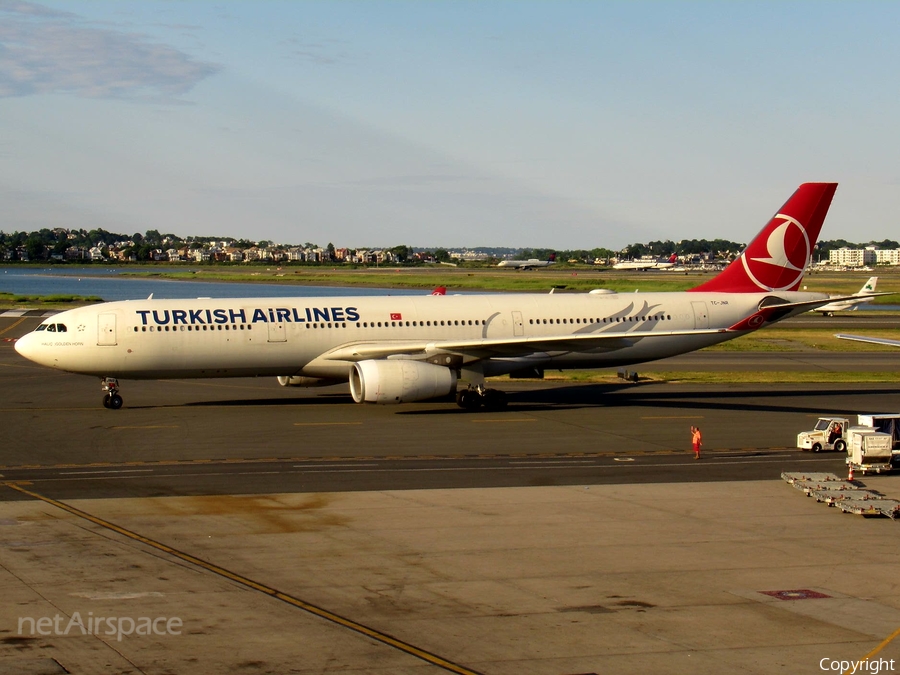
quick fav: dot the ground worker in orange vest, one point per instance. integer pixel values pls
(696, 441)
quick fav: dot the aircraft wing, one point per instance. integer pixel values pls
(870, 340)
(516, 346)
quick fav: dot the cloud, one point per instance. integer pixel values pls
(44, 51)
(326, 53)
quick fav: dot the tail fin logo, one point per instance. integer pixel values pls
(781, 265)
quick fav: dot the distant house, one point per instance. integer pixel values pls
(234, 254)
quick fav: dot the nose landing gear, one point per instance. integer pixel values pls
(111, 397)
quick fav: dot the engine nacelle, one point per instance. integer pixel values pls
(303, 381)
(399, 381)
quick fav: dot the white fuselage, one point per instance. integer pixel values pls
(155, 339)
(525, 264)
(844, 305)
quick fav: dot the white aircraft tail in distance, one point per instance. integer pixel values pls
(863, 295)
(529, 264)
(398, 349)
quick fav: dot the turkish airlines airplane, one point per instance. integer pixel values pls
(412, 348)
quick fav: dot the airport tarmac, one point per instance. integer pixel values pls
(291, 530)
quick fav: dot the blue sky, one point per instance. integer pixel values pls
(547, 124)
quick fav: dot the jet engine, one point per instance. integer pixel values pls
(303, 381)
(399, 381)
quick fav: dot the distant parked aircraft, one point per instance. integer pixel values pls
(528, 264)
(659, 264)
(862, 296)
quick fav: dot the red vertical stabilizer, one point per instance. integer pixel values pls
(777, 258)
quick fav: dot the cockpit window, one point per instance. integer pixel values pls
(53, 327)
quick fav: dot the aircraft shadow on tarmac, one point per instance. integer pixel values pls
(605, 396)
(619, 397)
(627, 396)
(327, 399)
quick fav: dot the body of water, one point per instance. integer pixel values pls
(110, 284)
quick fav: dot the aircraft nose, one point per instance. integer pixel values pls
(25, 345)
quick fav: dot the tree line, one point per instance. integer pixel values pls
(45, 243)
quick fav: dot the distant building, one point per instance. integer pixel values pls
(889, 256)
(852, 257)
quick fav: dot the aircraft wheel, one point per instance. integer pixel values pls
(494, 399)
(106, 400)
(468, 399)
(115, 402)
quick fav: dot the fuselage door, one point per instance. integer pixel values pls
(701, 317)
(106, 330)
(277, 331)
(518, 324)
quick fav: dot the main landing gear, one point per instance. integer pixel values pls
(111, 398)
(476, 397)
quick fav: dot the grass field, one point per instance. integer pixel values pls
(14, 301)
(493, 279)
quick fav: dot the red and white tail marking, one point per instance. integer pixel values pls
(777, 258)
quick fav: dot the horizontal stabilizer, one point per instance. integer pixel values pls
(871, 340)
(768, 313)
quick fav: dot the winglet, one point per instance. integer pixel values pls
(779, 255)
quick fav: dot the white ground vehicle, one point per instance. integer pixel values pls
(888, 423)
(868, 450)
(830, 433)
